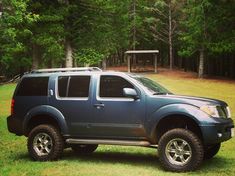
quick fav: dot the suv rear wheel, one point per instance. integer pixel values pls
(45, 143)
(84, 148)
(180, 150)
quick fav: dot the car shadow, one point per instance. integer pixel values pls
(143, 159)
(134, 158)
(218, 163)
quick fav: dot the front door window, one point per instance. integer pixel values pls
(112, 86)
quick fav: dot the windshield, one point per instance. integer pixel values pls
(152, 86)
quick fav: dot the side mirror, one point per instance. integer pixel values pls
(131, 93)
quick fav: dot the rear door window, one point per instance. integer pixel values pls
(33, 86)
(74, 86)
(62, 85)
(79, 86)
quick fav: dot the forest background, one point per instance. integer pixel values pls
(193, 35)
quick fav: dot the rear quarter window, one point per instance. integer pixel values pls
(33, 86)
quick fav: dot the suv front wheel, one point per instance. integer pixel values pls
(180, 150)
(45, 143)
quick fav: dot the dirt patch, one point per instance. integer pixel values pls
(161, 71)
(176, 73)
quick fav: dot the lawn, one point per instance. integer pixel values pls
(116, 160)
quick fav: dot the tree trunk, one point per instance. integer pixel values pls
(170, 38)
(180, 62)
(75, 63)
(232, 66)
(104, 64)
(186, 64)
(201, 64)
(134, 33)
(36, 57)
(51, 63)
(69, 54)
(68, 47)
(209, 66)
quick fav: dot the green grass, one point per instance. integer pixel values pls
(116, 160)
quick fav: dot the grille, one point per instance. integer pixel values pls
(223, 111)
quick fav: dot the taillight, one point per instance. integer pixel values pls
(12, 106)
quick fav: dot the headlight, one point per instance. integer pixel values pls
(228, 112)
(211, 110)
(216, 111)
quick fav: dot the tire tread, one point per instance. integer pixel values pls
(195, 140)
(58, 145)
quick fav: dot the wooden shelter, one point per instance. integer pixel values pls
(131, 52)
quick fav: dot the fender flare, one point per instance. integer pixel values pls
(187, 110)
(46, 110)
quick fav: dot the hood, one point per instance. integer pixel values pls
(196, 101)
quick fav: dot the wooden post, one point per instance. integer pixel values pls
(155, 63)
(129, 62)
(104, 64)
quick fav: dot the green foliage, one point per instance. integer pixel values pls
(102, 25)
(15, 33)
(48, 31)
(222, 17)
(207, 24)
(88, 57)
(41, 28)
(193, 35)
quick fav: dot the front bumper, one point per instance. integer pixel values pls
(14, 125)
(217, 132)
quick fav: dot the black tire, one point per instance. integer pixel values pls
(51, 140)
(211, 151)
(84, 148)
(188, 146)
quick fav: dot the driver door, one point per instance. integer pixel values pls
(115, 115)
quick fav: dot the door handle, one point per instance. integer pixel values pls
(99, 105)
(51, 92)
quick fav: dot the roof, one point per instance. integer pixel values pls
(142, 52)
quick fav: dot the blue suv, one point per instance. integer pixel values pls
(83, 107)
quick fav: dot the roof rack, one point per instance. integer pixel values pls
(75, 69)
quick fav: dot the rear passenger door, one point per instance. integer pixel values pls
(72, 99)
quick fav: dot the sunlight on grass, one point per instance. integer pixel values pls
(116, 160)
(6, 92)
(223, 90)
